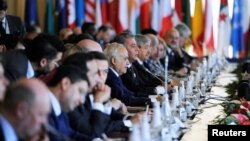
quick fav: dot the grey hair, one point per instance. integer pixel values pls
(181, 27)
(112, 50)
(141, 40)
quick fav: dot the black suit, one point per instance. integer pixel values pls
(61, 124)
(119, 91)
(16, 26)
(175, 62)
(1, 134)
(140, 81)
(94, 122)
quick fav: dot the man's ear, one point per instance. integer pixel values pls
(113, 61)
(43, 62)
(65, 83)
(22, 109)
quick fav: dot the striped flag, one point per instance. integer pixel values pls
(198, 29)
(224, 30)
(237, 36)
(71, 14)
(209, 36)
(90, 10)
(134, 12)
(165, 18)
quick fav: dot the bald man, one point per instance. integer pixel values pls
(90, 45)
(24, 110)
(176, 59)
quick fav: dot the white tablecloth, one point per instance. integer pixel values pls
(199, 129)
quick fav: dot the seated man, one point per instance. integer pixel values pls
(68, 89)
(118, 63)
(24, 110)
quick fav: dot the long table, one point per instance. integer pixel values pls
(211, 109)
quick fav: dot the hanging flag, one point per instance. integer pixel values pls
(50, 19)
(71, 14)
(165, 18)
(31, 17)
(209, 36)
(113, 16)
(237, 37)
(245, 25)
(186, 18)
(61, 13)
(104, 11)
(155, 15)
(90, 10)
(198, 29)
(133, 14)
(80, 13)
(178, 9)
(144, 14)
(98, 14)
(122, 23)
(224, 30)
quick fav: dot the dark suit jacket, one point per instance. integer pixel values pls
(1, 134)
(138, 80)
(119, 91)
(15, 25)
(175, 62)
(93, 122)
(61, 124)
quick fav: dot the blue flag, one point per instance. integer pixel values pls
(237, 35)
(31, 17)
(61, 11)
(79, 12)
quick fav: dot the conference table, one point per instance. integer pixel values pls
(212, 108)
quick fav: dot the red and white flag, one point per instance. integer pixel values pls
(71, 14)
(90, 10)
(122, 16)
(165, 16)
(209, 36)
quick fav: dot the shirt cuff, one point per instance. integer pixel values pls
(98, 106)
(108, 108)
(127, 123)
(160, 90)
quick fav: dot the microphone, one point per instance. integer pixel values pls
(49, 129)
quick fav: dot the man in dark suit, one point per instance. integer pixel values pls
(118, 63)
(68, 89)
(24, 110)
(10, 24)
(96, 116)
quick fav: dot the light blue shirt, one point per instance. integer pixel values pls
(5, 25)
(8, 131)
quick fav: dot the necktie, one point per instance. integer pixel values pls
(2, 30)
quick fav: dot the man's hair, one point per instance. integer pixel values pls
(121, 38)
(3, 5)
(112, 50)
(79, 60)
(141, 40)
(181, 27)
(40, 48)
(75, 74)
(16, 93)
(88, 27)
(54, 40)
(104, 28)
(98, 55)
